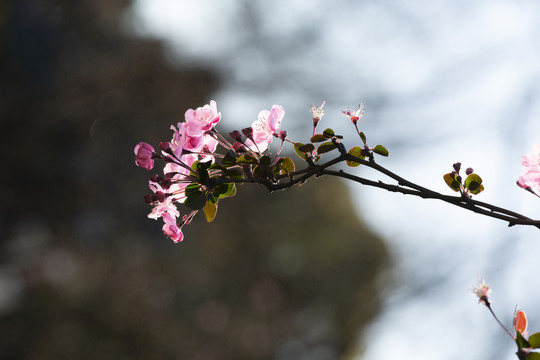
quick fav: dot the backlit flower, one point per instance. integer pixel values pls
(202, 119)
(171, 228)
(317, 112)
(355, 115)
(531, 163)
(264, 128)
(482, 290)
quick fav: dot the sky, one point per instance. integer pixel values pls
(442, 82)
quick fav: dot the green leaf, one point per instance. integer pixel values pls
(306, 148)
(534, 340)
(521, 342)
(196, 200)
(451, 181)
(225, 190)
(298, 152)
(228, 160)
(235, 173)
(533, 356)
(265, 161)
(328, 133)
(479, 190)
(381, 150)
(286, 164)
(326, 147)
(318, 138)
(202, 169)
(247, 159)
(363, 137)
(356, 152)
(210, 210)
(473, 182)
(192, 188)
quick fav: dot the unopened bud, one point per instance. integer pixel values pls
(159, 196)
(469, 171)
(165, 147)
(457, 166)
(236, 135)
(239, 147)
(248, 132)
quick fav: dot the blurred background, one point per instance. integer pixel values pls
(323, 271)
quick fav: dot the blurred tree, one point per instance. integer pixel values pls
(84, 275)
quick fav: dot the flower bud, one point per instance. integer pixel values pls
(281, 135)
(457, 166)
(239, 147)
(165, 147)
(236, 135)
(469, 171)
(144, 155)
(248, 132)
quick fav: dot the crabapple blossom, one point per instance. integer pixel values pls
(202, 119)
(482, 290)
(144, 155)
(264, 128)
(171, 228)
(531, 163)
(355, 115)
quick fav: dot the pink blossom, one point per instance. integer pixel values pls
(267, 124)
(161, 207)
(143, 155)
(171, 228)
(190, 136)
(531, 163)
(202, 119)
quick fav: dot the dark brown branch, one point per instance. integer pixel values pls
(403, 186)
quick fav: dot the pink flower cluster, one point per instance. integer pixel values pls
(193, 140)
(531, 176)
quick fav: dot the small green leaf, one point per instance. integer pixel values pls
(306, 148)
(265, 161)
(318, 138)
(534, 340)
(363, 137)
(533, 356)
(473, 182)
(247, 159)
(287, 165)
(228, 160)
(451, 181)
(235, 173)
(210, 210)
(225, 190)
(381, 150)
(298, 152)
(326, 147)
(260, 172)
(356, 152)
(521, 342)
(328, 133)
(478, 191)
(192, 188)
(196, 200)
